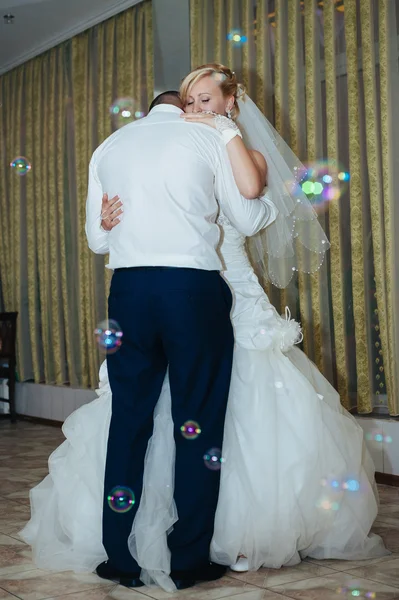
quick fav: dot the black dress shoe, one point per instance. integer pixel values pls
(208, 572)
(106, 571)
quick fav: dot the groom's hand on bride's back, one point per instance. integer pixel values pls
(110, 212)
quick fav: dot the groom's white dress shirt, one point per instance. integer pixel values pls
(170, 176)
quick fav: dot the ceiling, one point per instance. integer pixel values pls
(40, 24)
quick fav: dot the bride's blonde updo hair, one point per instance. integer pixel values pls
(227, 78)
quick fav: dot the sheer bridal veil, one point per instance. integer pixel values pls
(296, 240)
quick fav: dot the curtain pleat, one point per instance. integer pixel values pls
(336, 263)
(84, 145)
(261, 54)
(389, 93)
(293, 138)
(218, 4)
(19, 190)
(312, 307)
(278, 297)
(248, 49)
(230, 27)
(196, 31)
(356, 211)
(31, 235)
(375, 176)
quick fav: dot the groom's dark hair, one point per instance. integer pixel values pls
(162, 98)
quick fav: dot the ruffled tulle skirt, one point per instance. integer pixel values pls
(296, 478)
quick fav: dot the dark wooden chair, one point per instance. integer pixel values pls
(8, 334)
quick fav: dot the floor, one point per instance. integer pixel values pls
(24, 450)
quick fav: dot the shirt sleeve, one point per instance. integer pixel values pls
(97, 238)
(247, 216)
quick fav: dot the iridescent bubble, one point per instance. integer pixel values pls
(343, 176)
(108, 336)
(378, 436)
(213, 459)
(121, 499)
(21, 165)
(352, 485)
(124, 111)
(337, 485)
(323, 182)
(236, 37)
(355, 591)
(190, 430)
(326, 504)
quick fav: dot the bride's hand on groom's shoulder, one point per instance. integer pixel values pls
(208, 118)
(110, 212)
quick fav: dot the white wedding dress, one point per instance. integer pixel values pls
(296, 478)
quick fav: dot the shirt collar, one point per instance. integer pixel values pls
(166, 108)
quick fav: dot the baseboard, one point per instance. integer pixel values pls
(40, 421)
(387, 479)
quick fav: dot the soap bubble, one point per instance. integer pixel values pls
(355, 591)
(352, 485)
(108, 336)
(378, 436)
(326, 504)
(121, 499)
(236, 37)
(20, 165)
(337, 485)
(323, 182)
(190, 430)
(213, 459)
(124, 111)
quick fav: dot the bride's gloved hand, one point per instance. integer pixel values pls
(227, 127)
(206, 117)
(110, 212)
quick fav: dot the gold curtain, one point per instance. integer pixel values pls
(301, 64)
(55, 112)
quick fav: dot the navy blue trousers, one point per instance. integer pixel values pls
(179, 318)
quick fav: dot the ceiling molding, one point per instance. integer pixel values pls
(117, 7)
(10, 4)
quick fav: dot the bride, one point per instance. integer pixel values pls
(296, 478)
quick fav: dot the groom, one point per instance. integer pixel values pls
(174, 310)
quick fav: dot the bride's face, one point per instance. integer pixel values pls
(207, 94)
